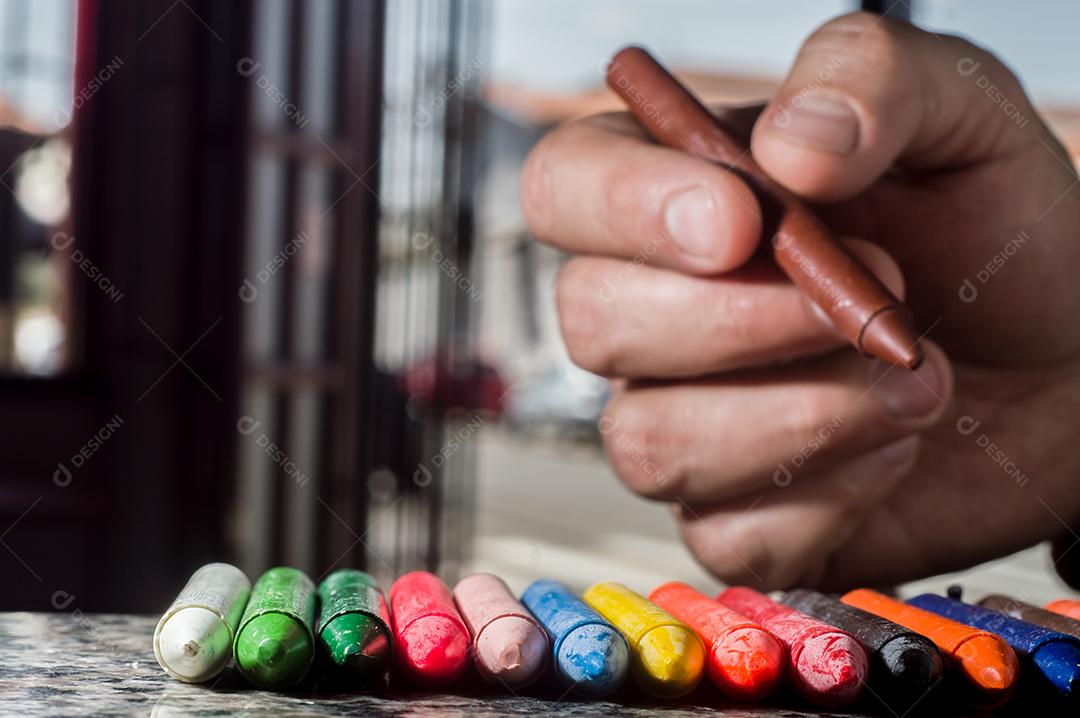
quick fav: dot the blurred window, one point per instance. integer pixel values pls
(36, 102)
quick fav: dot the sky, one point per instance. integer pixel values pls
(562, 44)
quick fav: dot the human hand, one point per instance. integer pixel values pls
(789, 458)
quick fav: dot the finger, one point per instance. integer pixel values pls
(783, 537)
(596, 186)
(630, 320)
(866, 91)
(717, 439)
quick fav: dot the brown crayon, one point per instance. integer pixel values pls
(863, 310)
(1032, 614)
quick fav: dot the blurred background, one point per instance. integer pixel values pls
(266, 294)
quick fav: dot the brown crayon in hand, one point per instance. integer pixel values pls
(861, 308)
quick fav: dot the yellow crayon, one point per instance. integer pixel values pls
(668, 657)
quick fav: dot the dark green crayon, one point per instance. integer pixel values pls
(354, 625)
(274, 647)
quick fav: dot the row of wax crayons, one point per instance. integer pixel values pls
(830, 650)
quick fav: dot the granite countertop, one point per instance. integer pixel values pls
(66, 664)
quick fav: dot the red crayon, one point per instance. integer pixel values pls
(431, 642)
(745, 661)
(827, 665)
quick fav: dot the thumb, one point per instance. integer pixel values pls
(867, 92)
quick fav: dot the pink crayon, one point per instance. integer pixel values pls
(509, 646)
(827, 665)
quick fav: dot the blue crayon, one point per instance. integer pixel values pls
(590, 655)
(1055, 655)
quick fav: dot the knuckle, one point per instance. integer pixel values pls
(856, 23)
(582, 317)
(848, 504)
(862, 46)
(984, 62)
(535, 189)
(622, 197)
(634, 445)
(859, 32)
(735, 553)
(736, 329)
(806, 414)
(769, 567)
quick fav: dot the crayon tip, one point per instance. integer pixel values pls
(512, 650)
(594, 658)
(271, 665)
(355, 660)
(992, 677)
(890, 337)
(912, 662)
(193, 645)
(273, 650)
(747, 664)
(364, 661)
(271, 653)
(1059, 663)
(356, 643)
(832, 668)
(434, 650)
(989, 662)
(510, 657)
(672, 661)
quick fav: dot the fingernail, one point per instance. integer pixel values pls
(691, 221)
(819, 121)
(909, 394)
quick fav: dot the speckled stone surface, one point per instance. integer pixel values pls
(70, 664)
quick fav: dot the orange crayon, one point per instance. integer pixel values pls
(988, 662)
(745, 661)
(1066, 607)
